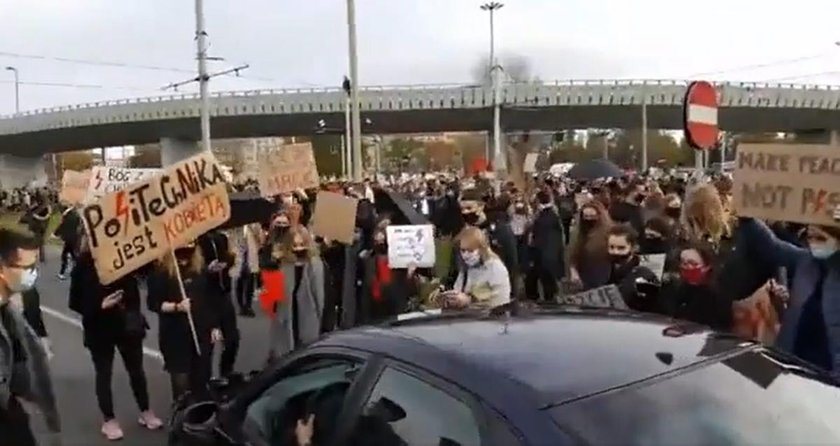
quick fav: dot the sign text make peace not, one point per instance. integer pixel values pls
(139, 224)
(790, 182)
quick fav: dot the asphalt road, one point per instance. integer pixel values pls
(73, 375)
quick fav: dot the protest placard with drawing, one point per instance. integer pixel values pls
(411, 245)
(287, 169)
(134, 226)
(107, 179)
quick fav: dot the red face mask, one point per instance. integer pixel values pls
(694, 275)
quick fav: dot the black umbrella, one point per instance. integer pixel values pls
(248, 207)
(401, 210)
(594, 169)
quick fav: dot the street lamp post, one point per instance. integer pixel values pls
(203, 77)
(496, 154)
(17, 88)
(356, 124)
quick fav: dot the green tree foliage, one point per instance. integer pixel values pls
(78, 160)
(145, 156)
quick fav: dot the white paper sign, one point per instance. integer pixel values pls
(655, 263)
(105, 180)
(411, 245)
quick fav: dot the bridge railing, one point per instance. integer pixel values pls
(419, 87)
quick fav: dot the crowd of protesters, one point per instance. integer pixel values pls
(538, 241)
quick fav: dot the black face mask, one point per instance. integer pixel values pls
(619, 259)
(280, 231)
(673, 212)
(587, 225)
(520, 209)
(653, 245)
(470, 218)
(184, 254)
(380, 248)
(300, 253)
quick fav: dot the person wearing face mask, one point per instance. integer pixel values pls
(545, 250)
(673, 208)
(498, 233)
(638, 285)
(24, 368)
(297, 321)
(810, 327)
(482, 280)
(247, 267)
(695, 296)
(627, 207)
(189, 365)
(520, 220)
(388, 290)
(215, 249)
(589, 265)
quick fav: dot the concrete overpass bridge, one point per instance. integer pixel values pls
(173, 120)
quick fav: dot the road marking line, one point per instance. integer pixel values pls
(150, 352)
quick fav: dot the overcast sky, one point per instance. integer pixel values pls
(303, 43)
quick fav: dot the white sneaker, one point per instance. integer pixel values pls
(111, 430)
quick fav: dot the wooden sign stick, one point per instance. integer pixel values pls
(184, 296)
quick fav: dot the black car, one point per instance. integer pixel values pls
(547, 378)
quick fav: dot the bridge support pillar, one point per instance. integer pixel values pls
(21, 171)
(173, 150)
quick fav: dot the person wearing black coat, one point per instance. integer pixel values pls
(215, 250)
(547, 250)
(187, 355)
(638, 285)
(68, 231)
(111, 321)
(697, 295)
(387, 291)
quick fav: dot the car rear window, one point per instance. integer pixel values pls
(750, 399)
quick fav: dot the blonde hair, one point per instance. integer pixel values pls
(704, 216)
(288, 243)
(472, 236)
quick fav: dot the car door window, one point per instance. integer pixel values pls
(317, 388)
(405, 410)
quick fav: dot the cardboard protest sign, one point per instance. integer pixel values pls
(411, 245)
(290, 168)
(334, 217)
(606, 296)
(134, 226)
(655, 263)
(530, 164)
(104, 180)
(789, 182)
(74, 187)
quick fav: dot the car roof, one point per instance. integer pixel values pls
(560, 356)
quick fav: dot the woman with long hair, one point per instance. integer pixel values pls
(112, 320)
(297, 320)
(482, 279)
(704, 219)
(189, 369)
(589, 263)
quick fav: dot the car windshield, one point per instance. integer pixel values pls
(750, 399)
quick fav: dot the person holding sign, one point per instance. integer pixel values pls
(112, 320)
(175, 296)
(297, 321)
(810, 323)
(482, 279)
(387, 291)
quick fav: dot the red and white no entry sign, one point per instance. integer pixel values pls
(700, 112)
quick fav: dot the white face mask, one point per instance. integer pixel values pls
(471, 258)
(27, 281)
